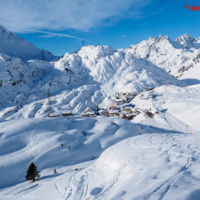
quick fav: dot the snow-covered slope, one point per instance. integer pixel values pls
(21, 83)
(175, 57)
(179, 108)
(163, 164)
(191, 73)
(143, 167)
(55, 143)
(15, 46)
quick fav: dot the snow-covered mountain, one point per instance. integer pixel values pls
(92, 76)
(189, 42)
(176, 57)
(15, 46)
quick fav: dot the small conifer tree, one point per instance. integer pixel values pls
(32, 172)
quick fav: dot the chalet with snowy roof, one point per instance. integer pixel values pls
(112, 106)
(103, 112)
(126, 115)
(88, 109)
(66, 113)
(54, 114)
(128, 109)
(128, 106)
(120, 100)
(91, 114)
(122, 115)
(129, 116)
(84, 115)
(113, 113)
(88, 113)
(125, 97)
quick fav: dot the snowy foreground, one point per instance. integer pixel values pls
(107, 158)
(156, 166)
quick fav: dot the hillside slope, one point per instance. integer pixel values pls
(55, 143)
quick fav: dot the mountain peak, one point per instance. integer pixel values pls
(6, 35)
(95, 51)
(186, 40)
(151, 38)
(163, 37)
(187, 36)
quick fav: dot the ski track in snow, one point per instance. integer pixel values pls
(78, 187)
(161, 192)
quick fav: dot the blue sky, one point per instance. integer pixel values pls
(60, 25)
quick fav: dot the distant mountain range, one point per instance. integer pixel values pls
(176, 57)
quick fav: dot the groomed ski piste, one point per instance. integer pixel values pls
(108, 158)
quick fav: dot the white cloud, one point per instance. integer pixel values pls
(52, 34)
(20, 15)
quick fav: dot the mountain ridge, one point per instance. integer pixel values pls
(15, 46)
(172, 56)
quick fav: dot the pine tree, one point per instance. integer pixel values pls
(32, 172)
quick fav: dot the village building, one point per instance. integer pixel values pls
(84, 115)
(88, 109)
(112, 106)
(91, 114)
(122, 115)
(113, 113)
(66, 113)
(120, 100)
(103, 112)
(129, 116)
(128, 109)
(54, 114)
(125, 97)
(88, 113)
(149, 114)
